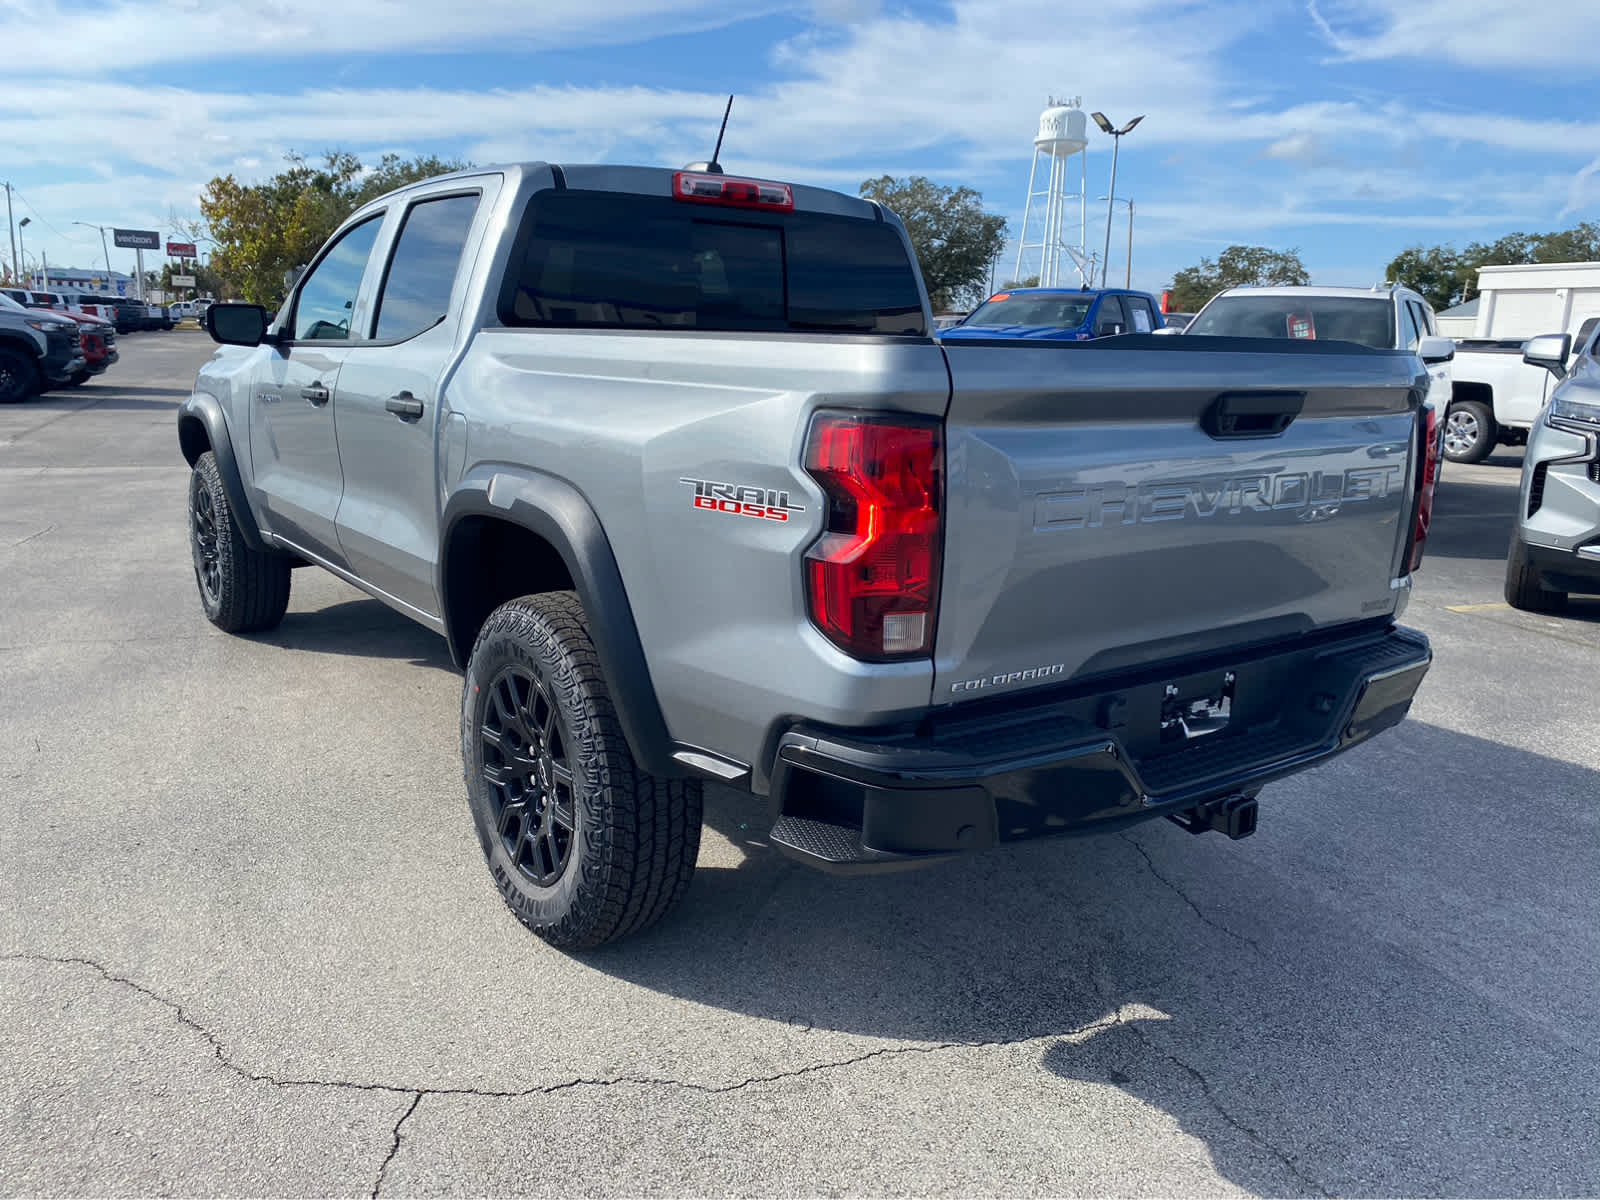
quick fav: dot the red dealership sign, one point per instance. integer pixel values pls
(181, 250)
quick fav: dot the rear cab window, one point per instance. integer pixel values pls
(617, 260)
(1367, 321)
(1035, 309)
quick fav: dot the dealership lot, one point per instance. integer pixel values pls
(248, 944)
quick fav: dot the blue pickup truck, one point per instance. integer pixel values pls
(1060, 314)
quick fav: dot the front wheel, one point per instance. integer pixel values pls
(19, 378)
(1469, 432)
(241, 590)
(584, 846)
(1523, 589)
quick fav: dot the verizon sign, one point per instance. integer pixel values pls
(181, 250)
(136, 239)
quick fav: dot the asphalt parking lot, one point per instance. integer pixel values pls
(248, 944)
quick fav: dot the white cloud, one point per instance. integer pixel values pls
(1532, 37)
(134, 33)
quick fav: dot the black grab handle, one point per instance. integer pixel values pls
(1252, 414)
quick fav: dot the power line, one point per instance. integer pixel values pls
(18, 194)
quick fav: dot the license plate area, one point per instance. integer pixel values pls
(1187, 715)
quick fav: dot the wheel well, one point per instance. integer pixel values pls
(193, 439)
(21, 345)
(488, 561)
(1481, 392)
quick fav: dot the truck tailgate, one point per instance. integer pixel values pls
(1125, 502)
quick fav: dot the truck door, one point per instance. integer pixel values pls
(389, 419)
(293, 453)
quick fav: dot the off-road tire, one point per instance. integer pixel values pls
(19, 377)
(1523, 589)
(634, 838)
(1461, 416)
(241, 590)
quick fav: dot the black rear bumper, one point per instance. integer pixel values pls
(1087, 759)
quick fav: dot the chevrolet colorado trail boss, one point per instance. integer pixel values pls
(674, 463)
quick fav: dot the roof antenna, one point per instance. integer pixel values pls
(714, 167)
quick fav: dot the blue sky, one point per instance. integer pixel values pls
(1348, 129)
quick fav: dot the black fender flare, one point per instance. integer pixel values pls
(554, 510)
(201, 425)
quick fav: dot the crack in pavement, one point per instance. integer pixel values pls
(1193, 907)
(1254, 1135)
(223, 1056)
(416, 1094)
(38, 533)
(383, 1169)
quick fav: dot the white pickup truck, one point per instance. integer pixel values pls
(1496, 396)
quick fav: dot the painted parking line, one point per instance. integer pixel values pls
(1472, 608)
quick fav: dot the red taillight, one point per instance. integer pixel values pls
(705, 188)
(1429, 426)
(872, 578)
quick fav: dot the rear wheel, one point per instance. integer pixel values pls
(19, 378)
(1523, 589)
(242, 590)
(584, 846)
(1469, 432)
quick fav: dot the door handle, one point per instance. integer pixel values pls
(405, 406)
(317, 394)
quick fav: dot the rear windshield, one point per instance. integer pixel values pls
(1368, 322)
(1063, 312)
(614, 260)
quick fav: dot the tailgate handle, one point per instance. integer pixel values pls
(1252, 414)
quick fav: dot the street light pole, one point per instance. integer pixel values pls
(1116, 147)
(23, 247)
(103, 249)
(12, 227)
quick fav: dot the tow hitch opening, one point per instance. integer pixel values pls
(1232, 815)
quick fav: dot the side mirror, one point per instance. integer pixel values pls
(1435, 349)
(1548, 350)
(236, 324)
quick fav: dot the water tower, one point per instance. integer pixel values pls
(1063, 132)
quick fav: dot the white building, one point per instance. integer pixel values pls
(1534, 298)
(1460, 321)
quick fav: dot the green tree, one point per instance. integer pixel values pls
(954, 238)
(1447, 276)
(263, 231)
(1237, 266)
(1030, 281)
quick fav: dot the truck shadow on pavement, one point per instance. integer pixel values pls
(363, 628)
(1362, 999)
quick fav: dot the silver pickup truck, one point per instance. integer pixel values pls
(674, 462)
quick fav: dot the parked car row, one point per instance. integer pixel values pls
(44, 347)
(125, 313)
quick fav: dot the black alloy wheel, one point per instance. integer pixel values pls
(203, 534)
(529, 777)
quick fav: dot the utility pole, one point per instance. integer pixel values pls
(1127, 281)
(15, 270)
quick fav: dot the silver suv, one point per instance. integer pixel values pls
(1556, 549)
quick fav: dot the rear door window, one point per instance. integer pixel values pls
(422, 270)
(1140, 313)
(616, 260)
